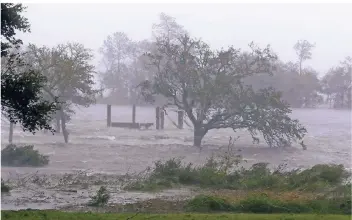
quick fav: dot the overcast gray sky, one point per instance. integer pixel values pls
(220, 25)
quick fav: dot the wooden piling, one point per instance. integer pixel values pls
(108, 118)
(134, 114)
(162, 119)
(11, 133)
(180, 114)
(157, 118)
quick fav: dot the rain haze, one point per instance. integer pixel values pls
(140, 83)
(220, 25)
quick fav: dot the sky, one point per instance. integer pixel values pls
(329, 26)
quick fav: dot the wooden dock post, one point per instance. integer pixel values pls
(157, 118)
(108, 118)
(180, 114)
(162, 119)
(134, 114)
(11, 133)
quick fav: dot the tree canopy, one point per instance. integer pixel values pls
(209, 86)
(21, 86)
(70, 76)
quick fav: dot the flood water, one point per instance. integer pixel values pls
(98, 149)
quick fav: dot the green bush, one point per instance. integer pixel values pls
(4, 188)
(101, 198)
(264, 204)
(318, 176)
(209, 204)
(213, 175)
(22, 156)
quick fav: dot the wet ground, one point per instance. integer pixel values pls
(95, 149)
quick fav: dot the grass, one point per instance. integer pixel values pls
(56, 215)
(12, 155)
(216, 175)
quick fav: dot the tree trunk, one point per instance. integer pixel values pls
(11, 133)
(198, 136)
(349, 99)
(63, 125)
(58, 125)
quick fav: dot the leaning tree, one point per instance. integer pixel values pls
(209, 86)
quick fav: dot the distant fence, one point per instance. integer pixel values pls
(159, 120)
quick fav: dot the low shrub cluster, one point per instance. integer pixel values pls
(215, 174)
(265, 204)
(101, 198)
(12, 155)
(4, 188)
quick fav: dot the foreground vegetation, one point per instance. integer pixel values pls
(264, 204)
(224, 173)
(14, 155)
(34, 215)
(4, 187)
(225, 187)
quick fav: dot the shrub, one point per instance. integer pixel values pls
(22, 156)
(204, 203)
(101, 198)
(4, 188)
(264, 204)
(318, 177)
(213, 174)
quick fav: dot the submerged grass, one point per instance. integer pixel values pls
(51, 215)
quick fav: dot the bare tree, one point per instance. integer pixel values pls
(304, 52)
(116, 51)
(167, 29)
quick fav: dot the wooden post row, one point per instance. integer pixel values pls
(108, 119)
(134, 114)
(162, 119)
(157, 118)
(180, 114)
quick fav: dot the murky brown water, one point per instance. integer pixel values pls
(97, 149)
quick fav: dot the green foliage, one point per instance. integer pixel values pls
(22, 156)
(101, 198)
(12, 21)
(21, 100)
(51, 215)
(203, 203)
(264, 204)
(4, 188)
(213, 175)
